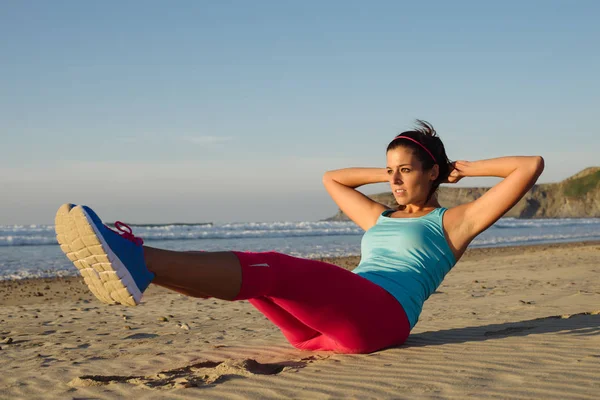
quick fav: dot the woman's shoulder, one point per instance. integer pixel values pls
(455, 230)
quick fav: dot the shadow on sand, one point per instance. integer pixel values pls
(582, 324)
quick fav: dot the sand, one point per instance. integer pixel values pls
(510, 323)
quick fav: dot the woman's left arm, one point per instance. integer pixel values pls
(519, 173)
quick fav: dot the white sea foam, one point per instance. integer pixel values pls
(529, 239)
(30, 274)
(26, 240)
(542, 223)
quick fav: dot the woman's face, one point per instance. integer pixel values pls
(409, 183)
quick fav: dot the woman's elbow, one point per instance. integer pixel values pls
(536, 165)
(539, 164)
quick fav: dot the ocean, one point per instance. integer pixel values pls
(28, 251)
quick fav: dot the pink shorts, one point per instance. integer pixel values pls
(320, 306)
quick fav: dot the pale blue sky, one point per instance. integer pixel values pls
(156, 111)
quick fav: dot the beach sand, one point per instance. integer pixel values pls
(511, 323)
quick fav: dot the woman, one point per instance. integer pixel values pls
(318, 306)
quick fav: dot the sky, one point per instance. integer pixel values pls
(190, 111)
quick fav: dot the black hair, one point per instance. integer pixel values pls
(424, 134)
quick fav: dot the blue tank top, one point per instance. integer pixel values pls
(408, 257)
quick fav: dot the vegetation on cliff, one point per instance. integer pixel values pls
(578, 187)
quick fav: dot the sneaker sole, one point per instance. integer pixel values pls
(102, 271)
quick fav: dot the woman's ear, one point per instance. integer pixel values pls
(434, 173)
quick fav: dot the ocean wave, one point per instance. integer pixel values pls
(30, 274)
(520, 231)
(242, 231)
(31, 251)
(19, 240)
(529, 239)
(545, 223)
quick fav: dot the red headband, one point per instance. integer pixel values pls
(413, 140)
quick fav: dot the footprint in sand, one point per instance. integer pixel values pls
(199, 374)
(142, 336)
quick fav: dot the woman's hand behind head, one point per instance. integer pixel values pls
(457, 171)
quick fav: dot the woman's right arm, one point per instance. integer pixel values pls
(341, 185)
(468, 220)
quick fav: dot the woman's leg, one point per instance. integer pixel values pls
(317, 306)
(353, 314)
(217, 274)
(294, 330)
(310, 297)
(198, 274)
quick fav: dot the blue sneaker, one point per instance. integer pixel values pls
(112, 263)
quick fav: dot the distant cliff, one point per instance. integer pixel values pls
(575, 197)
